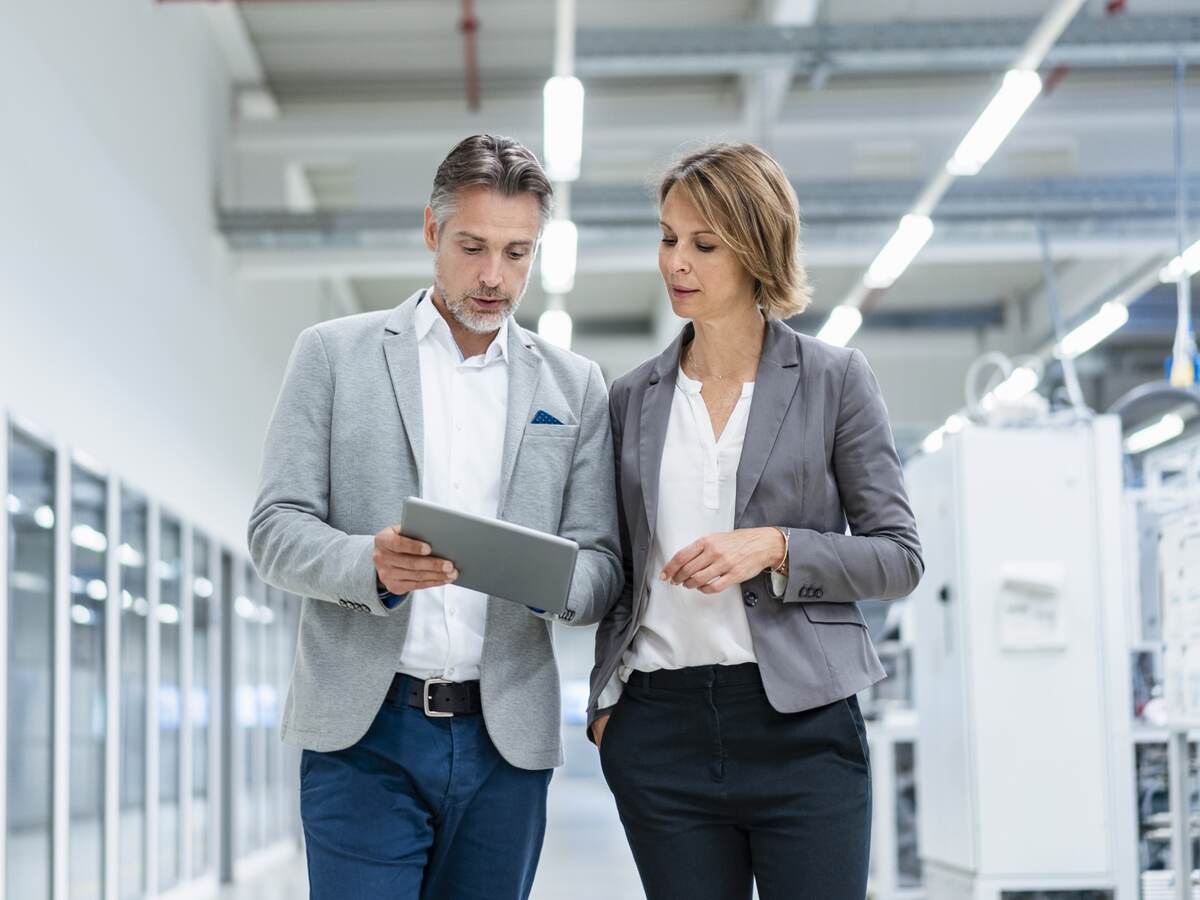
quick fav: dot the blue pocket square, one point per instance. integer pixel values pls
(544, 418)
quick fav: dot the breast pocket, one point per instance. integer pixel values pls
(557, 432)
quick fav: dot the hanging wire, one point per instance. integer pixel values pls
(1070, 376)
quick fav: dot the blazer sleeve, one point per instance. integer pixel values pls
(291, 543)
(880, 559)
(589, 511)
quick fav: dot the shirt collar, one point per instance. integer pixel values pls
(427, 319)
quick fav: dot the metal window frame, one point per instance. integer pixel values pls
(60, 658)
(209, 867)
(112, 675)
(60, 819)
(153, 544)
(259, 791)
(225, 787)
(200, 870)
(5, 488)
(186, 602)
(225, 767)
(161, 513)
(151, 700)
(230, 757)
(96, 469)
(226, 770)
(282, 782)
(216, 703)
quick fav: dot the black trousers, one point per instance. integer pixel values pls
(717, 790)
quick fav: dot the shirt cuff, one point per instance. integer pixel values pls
(390, 600)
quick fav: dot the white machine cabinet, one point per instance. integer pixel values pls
(1021, 670)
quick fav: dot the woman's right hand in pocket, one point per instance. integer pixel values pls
(598, 728)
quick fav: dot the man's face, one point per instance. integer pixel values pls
(483, 255)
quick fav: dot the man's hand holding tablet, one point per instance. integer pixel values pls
(495, 557)
(404, 564)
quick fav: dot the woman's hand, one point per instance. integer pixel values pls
(718, 561)
(598, 727)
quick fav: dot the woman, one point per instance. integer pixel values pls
(723, 698)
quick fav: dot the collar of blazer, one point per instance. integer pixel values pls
(524, 370)
(775, 385)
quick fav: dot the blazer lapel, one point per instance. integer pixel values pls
(524, 370)
(404, 366)
(776, 383)
(656, 415)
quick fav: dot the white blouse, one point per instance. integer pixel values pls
(697, 490)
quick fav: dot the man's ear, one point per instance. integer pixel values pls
(431, 230)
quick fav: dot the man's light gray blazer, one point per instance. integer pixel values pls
(343, 451)
(818, 454)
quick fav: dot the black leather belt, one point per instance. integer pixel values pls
(437, 697)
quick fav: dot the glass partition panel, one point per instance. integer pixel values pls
(133, 554)
(170, 569)
(89, 610)
(200, 704)
(30, 507)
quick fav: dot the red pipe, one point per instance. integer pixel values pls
(246, 2)
(1054, 78)
(469, 27)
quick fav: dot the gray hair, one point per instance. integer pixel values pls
(499, 163)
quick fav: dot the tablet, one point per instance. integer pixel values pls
(498, 558)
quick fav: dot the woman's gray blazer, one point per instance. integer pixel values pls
(818, 457)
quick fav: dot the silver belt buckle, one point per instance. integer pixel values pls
(433, 714)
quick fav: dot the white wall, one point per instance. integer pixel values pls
(120, 332)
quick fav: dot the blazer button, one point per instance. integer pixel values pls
(750, 598)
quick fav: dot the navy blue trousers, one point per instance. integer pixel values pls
(421, 809)
(717, 791)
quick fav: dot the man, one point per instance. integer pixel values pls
(428, 713)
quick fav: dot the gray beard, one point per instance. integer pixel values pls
(471, 319)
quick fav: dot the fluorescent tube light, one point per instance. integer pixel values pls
(911, 235)
(560, 243)
(1019, 89)
(555, 326)
(1111, 316)
(1022, 380)
(1169, 426)
(1190, 260)
(934, 440)
(843, 322)
(562, 127)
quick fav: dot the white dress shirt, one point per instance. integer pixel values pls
(464, 409)
(697, 491)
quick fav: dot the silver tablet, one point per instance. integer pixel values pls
(494, 557)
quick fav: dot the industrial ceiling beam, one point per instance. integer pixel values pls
(824, 205)
(928, 46)
(633, 251)
(322, 136)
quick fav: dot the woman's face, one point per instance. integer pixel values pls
(703, 277)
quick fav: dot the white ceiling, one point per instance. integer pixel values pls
(370, 96)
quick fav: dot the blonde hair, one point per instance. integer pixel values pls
(742, 193)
